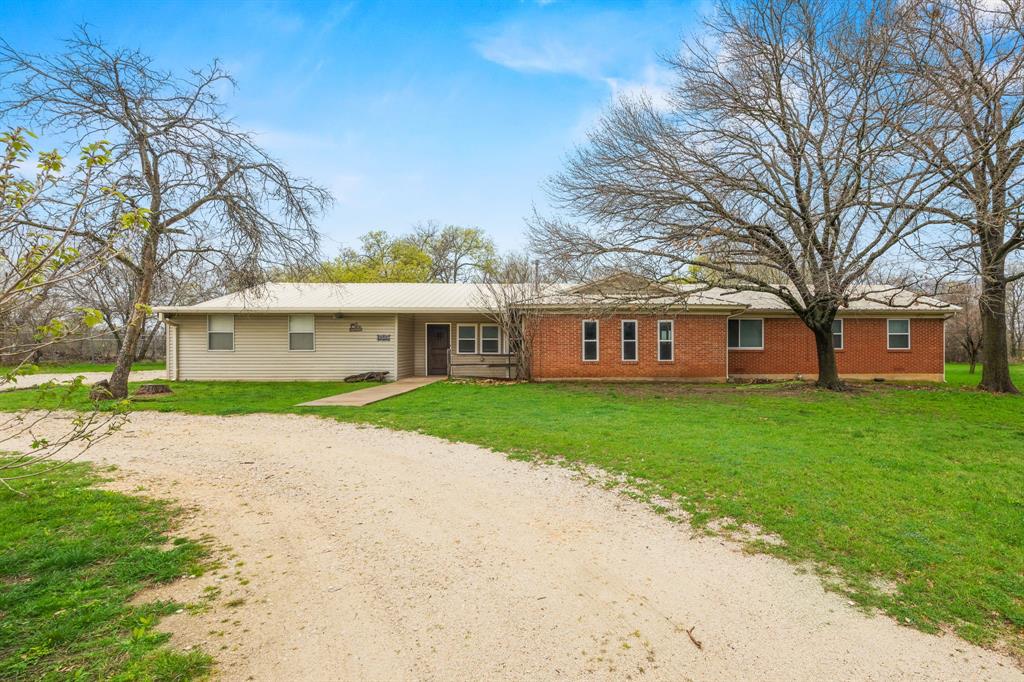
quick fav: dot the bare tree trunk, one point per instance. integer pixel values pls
(828, 374)
(995, 363)
(147, 341)
(140, 308)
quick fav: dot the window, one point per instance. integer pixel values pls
(748, 334)
(837, 334)
(629, 340)
(666, 340)
(220, 332)
(590, 340)
(467, 339)
(899, 334)
(301, 332)
(490, 339)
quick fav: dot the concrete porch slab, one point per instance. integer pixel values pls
(365, 396)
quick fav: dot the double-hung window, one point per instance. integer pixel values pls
(466, 339)
(590, 348)
(837, 334)
(746, 334)
(490, 339)
(666, 340)
(220, 332)
(629, 340)
(899, 334)
(301, 332)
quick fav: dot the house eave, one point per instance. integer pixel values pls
(292, 310)
(944, 313)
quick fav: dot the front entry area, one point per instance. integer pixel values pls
(439, 337)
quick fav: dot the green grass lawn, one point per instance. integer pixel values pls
(79, 367)
(958, 374)
(71, 557)
(909, 499)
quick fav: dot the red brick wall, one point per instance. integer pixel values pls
(789, 349)
(700, 348)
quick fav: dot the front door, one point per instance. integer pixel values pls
(438, 341)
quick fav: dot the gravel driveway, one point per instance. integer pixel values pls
(31, 380)
(367, 554)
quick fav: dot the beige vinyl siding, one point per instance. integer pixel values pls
(479, 363)
(261, 349)
(171, 350)
(405, 346)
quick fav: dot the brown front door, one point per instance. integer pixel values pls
(438, 340)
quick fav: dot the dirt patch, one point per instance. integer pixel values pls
(363, 553)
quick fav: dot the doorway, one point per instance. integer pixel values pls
(439, 337)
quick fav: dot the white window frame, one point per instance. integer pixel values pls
(636, 340)
(740, 320)
(209, 331)
(842, 334)
(458, 339)
(671, 340)
(596, 340)
(480, 332)
(889, 335)
(290, 332)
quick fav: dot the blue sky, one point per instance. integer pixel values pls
(406, 111)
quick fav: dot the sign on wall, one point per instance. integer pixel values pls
(383, 337)
(355, 327)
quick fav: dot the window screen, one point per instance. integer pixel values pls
(590, 339)
(220, 332)
(490, 338)
(467, 338)
(746, 333)
(301, 332)
(665, 340)
(837, 333)
(899, 334)
(629, 339)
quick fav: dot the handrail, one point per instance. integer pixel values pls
(507, 364)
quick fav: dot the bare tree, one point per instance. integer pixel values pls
(187, 279)
(206, 187)
(964, 339)
(33, 263)
(40, 250)
(776, 166)
(457, 254)
(970, 56)
(509, 294)
(1015, 312)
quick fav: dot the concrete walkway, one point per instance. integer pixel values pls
(366, 396)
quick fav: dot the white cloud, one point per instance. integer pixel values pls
(609, 47)
(520, 47)
(655, 82)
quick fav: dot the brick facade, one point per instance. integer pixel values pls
(700, 348)
(789, 350)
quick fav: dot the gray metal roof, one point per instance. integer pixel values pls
(455, 298)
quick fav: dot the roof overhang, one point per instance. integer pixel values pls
(192, 310)
(610, 309)
(943, 313)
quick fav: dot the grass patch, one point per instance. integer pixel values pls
(199, 397)
(910, 499)
(958, 375)
(82, 367)
(71, 558)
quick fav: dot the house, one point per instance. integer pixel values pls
(610, 330)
